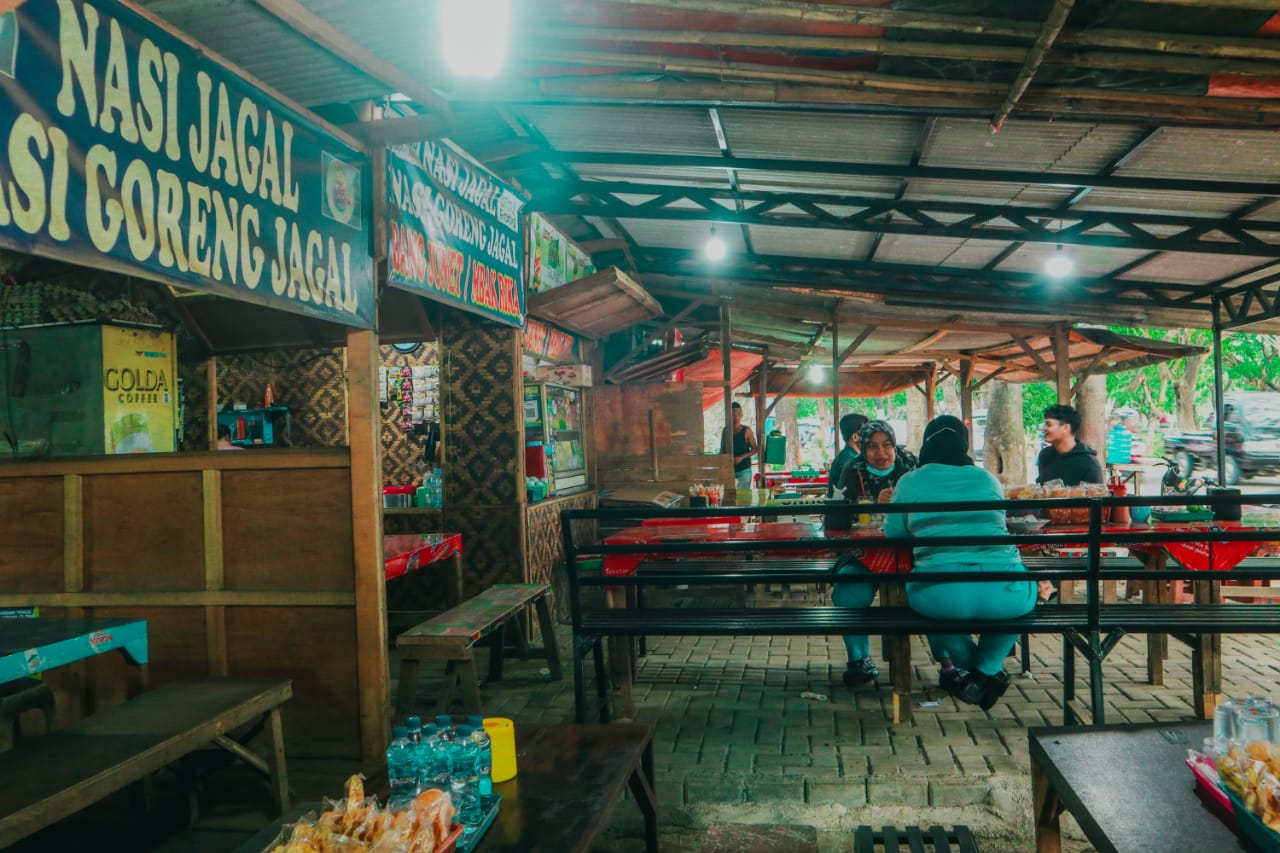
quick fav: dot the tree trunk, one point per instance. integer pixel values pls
(1186, 392)
(915, 421)
(1005, 452)
(1091, 402)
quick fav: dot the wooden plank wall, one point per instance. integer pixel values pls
(652, 433)
(241, 563)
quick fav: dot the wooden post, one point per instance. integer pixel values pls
(835, 384)
(965, 378)
(215, 616)
(211, 403)
(1062, 363)
(73, 581)
(930, 386)
(726, 364)
(363, 437)
(762, 391)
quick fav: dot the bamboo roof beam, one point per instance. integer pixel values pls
(1053, 24)
(840, 45)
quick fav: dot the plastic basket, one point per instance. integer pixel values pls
(450, 842)
(1252, 828)
(469, 840)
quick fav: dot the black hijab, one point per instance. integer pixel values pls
(946, 442)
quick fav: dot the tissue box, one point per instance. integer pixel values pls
(566, 374)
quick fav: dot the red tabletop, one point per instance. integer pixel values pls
(1195, 553)
(409, 551)
(882, 558)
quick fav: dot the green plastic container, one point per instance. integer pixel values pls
(775, 450)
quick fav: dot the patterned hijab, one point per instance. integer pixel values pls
(946, 442)
(860, 482)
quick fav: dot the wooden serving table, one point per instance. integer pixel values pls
(29, 646)
(570, 779)
(1127, 786)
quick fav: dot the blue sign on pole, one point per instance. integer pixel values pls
(454, 233)
(123, 147)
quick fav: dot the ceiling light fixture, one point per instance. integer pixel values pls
(816, 372)
(474, 36)
(1059, 264)
(715, 249)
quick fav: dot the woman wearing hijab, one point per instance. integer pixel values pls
(872, 475)
(972, 672)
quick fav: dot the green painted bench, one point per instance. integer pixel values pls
(452, 635)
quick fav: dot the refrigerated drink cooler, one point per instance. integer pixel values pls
(554, 447)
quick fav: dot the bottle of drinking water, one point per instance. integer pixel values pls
(463, 785)
(401, 770)
(484, 758)
(433, 765)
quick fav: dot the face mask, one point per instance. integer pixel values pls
(881, 472)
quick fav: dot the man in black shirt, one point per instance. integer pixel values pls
(850, 424)
(1066, 458)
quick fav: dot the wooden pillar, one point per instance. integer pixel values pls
(364, 439)
(211, 399)
(726, 364)
(930, 386)
(965, 378)
(1062, 362)
(835, 385)
(762, 390)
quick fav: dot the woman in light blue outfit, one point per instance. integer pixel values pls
(972, 672)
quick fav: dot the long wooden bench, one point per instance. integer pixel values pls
(51, 777)
(452, 635)
(1092, 628)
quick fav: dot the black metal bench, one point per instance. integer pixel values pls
(1092, 628)
(914, 839)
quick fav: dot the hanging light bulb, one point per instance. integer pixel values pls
(816, 372)
(474, 36)
(1059, 264)
(715, 249)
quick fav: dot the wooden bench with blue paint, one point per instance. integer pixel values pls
(452, 635)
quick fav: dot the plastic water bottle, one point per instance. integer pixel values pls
(463, 785)
(433, 763)
(401, 772)
(484, 758)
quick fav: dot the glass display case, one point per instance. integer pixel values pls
(553, 435)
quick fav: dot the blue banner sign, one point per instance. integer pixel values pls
(124, 147)
(454, 233)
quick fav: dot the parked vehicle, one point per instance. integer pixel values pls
(1172, 482)
(1251, 424)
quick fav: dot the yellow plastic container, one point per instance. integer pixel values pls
(502, 740)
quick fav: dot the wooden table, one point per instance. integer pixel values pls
(570, 779)
(405, 555)
(29, 646)
(1127, 786)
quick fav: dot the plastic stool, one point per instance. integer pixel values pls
(26, 694)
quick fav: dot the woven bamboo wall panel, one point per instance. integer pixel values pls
(271, 543)
(30, 534)
(546, 549)
(139, 533)
(484, 442)
(492, 540)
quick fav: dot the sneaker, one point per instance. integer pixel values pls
(860, 672)
(951, 679)
(995, 687)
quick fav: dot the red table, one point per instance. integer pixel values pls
(786, 478)
(878, 558)
(411, 551)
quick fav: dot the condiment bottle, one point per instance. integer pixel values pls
(1120, 514)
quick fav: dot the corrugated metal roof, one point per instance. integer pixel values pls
(664, 234)
(834, 137)
(1189, 152)
(264, 47)
(682, 176)
(1089, 261)
(898, 248)
(984, 192)
(810, 242)
(1060, 146)
(643, 130)
(1188, 268)
(801, 182)
(1145, 201)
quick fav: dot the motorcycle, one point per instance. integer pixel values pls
(1174, 483)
